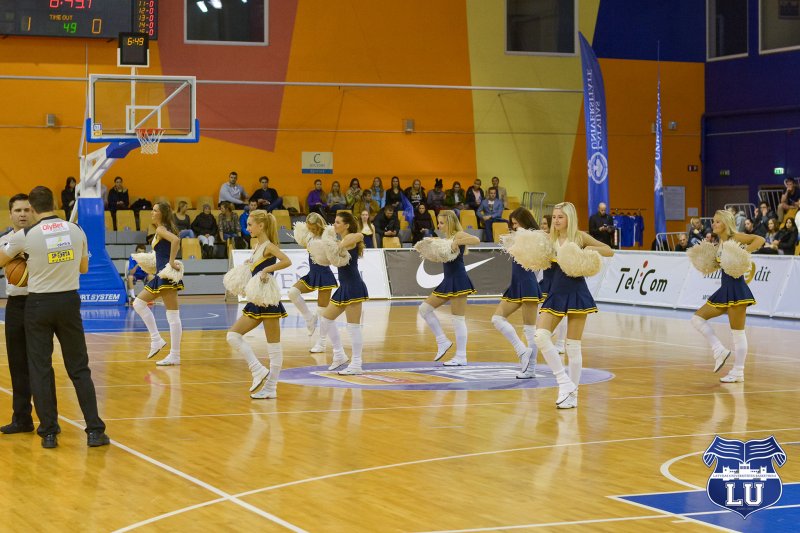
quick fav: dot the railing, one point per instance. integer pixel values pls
(534, 201)
(667, 241)
(771, 196)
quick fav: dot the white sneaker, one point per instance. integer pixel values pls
(441, 349)
(317, 348)
(311, 325)
(259, 376)
(351, 370)
(571, 402)
(528, 374)
(156, 347)
(266, 393)
(525, 360)
(339, 360)
(720, 358)
(456, 361)
(732, 378)
(564, 391)
(170, 360)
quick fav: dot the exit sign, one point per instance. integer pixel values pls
(778, 171)
(693, 168)
(725, 172)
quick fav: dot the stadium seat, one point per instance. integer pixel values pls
(403, 222)
(4, 202)
(499, 229)
(392, 242)
(292, 201)
(513, 202)
(506, 213)
(109, 221)
(145, 221)
(469, 219)
(283, 218)
(164, 199)
(126, 220)
(190, 248)
(179, 199)
(5, 220)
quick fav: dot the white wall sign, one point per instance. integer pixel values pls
(317, 163)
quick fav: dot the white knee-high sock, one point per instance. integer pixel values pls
(175, 331)
(357, 340)
(144, 312)
(702, 325)
(575, 360)
(427, 312)
(739, 350)
(545, 344)
(296, 298)
(323, 332)
(275, 352)
(460, 326)
(504, 326)
(333, 334)
(530, 332)
(237, 342)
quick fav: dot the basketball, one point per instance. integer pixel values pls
(17, 272)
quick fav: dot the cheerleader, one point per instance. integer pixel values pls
(567, 297)
(319, 278)
(455, 288)
(368, 229)
(165, 245)
(732, 298)
(266, 258)
(347, 298)
(545, 277)
(523, 292)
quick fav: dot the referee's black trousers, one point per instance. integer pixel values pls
(18, 360)
(58, 314)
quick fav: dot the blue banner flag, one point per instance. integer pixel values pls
(594, 111)
(658, 188)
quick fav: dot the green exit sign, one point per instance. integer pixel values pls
(778, 171)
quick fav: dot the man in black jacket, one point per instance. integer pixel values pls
(266, 196)
(601, 225)
(117, 199)
(386, 224)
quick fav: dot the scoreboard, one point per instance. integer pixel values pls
(101, 19)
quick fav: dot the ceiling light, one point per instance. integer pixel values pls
(202, 6)
(216, 4)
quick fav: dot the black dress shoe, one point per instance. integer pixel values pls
(16, 427)
(49, 441)
(97, 438)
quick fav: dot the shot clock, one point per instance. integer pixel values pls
(133, 50)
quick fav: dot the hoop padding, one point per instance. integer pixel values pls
(149, 139)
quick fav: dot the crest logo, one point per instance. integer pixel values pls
(744, 480)
(598, 168)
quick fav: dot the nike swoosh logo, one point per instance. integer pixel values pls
(428, 281)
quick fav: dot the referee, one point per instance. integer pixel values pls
(57, 255)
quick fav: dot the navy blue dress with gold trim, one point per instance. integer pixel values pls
(161, 247)
(733, 291)
(567, 295)
(319, 278)
(456, 282)
(524, 287)
(547, 280)
(352, 288)
(259, 311)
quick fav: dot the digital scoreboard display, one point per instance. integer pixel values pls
(101, 19)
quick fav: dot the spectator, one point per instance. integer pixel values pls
(205, 227)
(711, 237)
(232, 192)
(475, 195)
(683, 243)
(366, 203)
(316, 200)
(490, 211)
(378, 192)
(135, 273)
(386, 224)
(367, 228)
(454, 198)
(117, 199)
(790, 199)
(353, 193)
(252, 206)
(761, 217)
(601, 225)
(771, 238)
(336, 200)
(501, 191)
(435, 198)
(422, 226)
(394, 195)
(266, 196)
(787, 237)
(738, 216)
(748, 227)
(68, 197)
(697, 231)
(416, 194)
(182, 221)
(228, 223)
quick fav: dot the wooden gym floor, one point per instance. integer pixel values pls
(192, 451)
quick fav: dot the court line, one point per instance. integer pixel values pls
(684, 516)
(550, 524)
(155, 462)
(666, 473)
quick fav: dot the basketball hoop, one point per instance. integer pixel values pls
(148, 139)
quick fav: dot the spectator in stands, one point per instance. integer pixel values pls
(228, 224)
(233, 192)
(787, 237)
(182, 221)
(601, 225)
(367, 228)
(386, 224)
(68, 197)
(416, 194)
(117, 199)
(501, 191)
(475, 195)
(490, 211)
(394, 194)
(252, 206)
(266, 196)
(366, 203)
(135, 273)
(454, 198)
(336, 199)
(771, 238)
(761, 217)
(790, 199)
(748, 227)
(378, 192)
(738, 216)
(316, 200)
(697, 231)
(683, 243)
(712, 237)
(422, 226)
(353, 193)
(435, 198)
(205, 227)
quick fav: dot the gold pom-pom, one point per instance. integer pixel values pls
(735, 260)
(532, 249)
(703, 257)
(316, 248)
(262, 290)
(146, 261)
(236, 279)
(577, 262)
(436, 250)
(172, 274)
(300, 233)
(336, 257)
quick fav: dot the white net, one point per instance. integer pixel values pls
(148, 139)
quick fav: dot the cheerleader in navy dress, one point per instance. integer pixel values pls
(567, 297)
(266, 259)
(454, 289)
(523, 292)
(320, 278)
(732, 298)
(368, 229)
(165, 246)
(348, 298)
